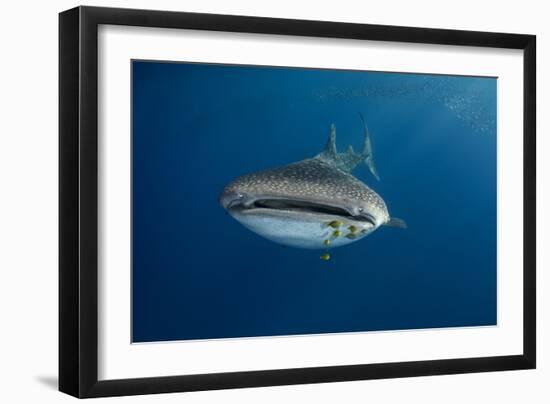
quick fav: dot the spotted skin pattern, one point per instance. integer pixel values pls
(310, 179)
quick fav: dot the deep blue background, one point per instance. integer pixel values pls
(197, 273)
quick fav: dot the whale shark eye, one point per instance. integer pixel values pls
(361, 210)
(240, 196)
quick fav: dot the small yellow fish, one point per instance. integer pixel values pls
(326, 242)
(336, 233)
(325, 257)
(353, 229)
(351, 236)
(335, 224)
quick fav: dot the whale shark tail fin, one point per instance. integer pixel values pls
(350, 159)
(367, 150)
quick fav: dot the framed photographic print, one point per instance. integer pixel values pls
(251, 201)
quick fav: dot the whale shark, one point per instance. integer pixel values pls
(314, 203)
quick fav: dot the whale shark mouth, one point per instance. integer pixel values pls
(293, 205)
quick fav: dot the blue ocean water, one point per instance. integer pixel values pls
(199, 274)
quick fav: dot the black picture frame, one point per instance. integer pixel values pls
(78, 201)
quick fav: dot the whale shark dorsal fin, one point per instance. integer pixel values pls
(330, 152)
(396, 222)
(350, 159)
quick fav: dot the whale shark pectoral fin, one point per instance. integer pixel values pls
(396, 222)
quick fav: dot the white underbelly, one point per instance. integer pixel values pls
(304, 230)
